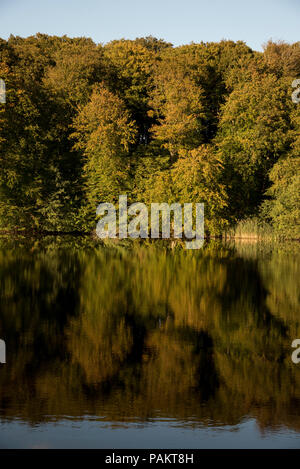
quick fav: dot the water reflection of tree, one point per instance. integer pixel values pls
(142, 333)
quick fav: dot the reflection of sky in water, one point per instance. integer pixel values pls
(93, 434)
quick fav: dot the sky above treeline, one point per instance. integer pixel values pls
(176, 21)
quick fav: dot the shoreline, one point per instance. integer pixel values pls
(92, 235)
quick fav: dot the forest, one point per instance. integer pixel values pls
(208, 122)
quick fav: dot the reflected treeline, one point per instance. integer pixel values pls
(137, 332)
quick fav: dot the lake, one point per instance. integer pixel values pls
(140, 345)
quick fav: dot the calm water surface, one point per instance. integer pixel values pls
(126, 346)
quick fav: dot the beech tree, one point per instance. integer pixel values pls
(104, 131)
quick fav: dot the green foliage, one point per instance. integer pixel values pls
(253, 133)
(177, 102)
(210, 122)
(104, 132)
(283, 59)
(284, 207)
(197, 177)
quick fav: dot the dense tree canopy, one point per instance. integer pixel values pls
(208, 122)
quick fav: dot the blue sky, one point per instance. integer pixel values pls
(177, 21)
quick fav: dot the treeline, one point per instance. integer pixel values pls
(209, 122)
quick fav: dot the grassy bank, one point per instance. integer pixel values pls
(252, 228)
